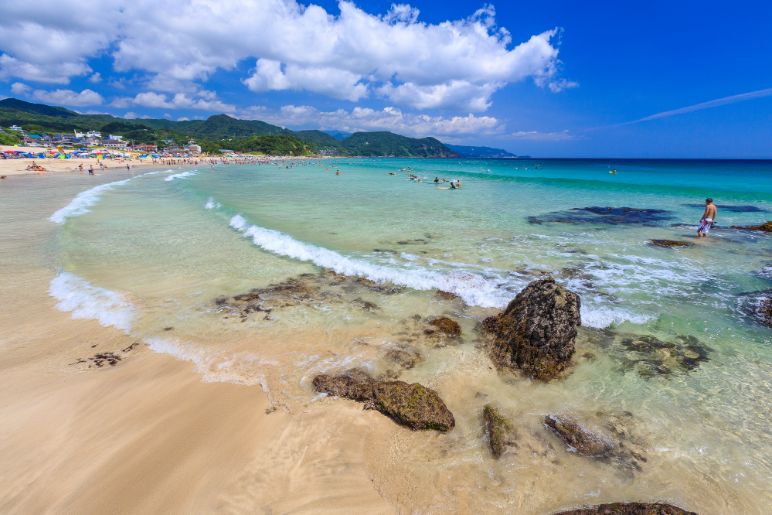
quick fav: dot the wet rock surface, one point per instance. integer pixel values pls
(604, 215)
(536, 332)
(757, 306)
(499, 431)
(404, 356)
(430, 331)
(628, 508)
(315, 290)
(670, 244)
(765, 227)
(612, 438)
(650, 356)
(411, 405)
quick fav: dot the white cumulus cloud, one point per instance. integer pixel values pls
(177, 45)
(367, 119)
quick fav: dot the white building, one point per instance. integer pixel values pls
(78, 135)
(16, 128)
(94, 135)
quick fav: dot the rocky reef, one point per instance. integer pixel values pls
(604, 215)
(411, 405)
(628, 508)
(670, 244)
(536, 332)
(765, 227)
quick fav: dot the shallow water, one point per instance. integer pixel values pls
(154, 252)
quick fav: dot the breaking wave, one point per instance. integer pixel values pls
(85, 200)
(86, 301)
(181, 175)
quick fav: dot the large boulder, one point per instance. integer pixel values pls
(412, 405)
(629, 508)
(536, 331)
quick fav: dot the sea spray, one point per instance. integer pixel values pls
(86, 301)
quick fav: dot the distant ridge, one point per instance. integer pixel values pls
(480, 152)
(220, 131)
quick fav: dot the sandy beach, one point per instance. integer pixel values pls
(146, 436)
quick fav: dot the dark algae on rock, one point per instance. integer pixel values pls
(537, 330)
(499, 431)
(411, 405)
(604, 216)
(628, 508)
(670, 244)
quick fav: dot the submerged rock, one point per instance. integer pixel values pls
(411, 405)
(444, 326)
(446, 295)
(536, 331)
(404, 357)
(670, 243)
(765, 227)
(649, 356)
(580, 439)
(615, 443)
(731, 208)
(499, 431)
(757, 306)
(628, 508)
(604, 215)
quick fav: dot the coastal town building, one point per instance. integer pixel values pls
(145, 148)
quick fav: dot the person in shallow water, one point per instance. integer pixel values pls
(708, 218)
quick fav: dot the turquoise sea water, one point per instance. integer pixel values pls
(156, 250)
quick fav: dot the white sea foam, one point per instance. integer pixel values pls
(181, 175)
(242, 368)
(477, 286)
(84, 201)
(212, 204)
(472, 288)
(86, 301)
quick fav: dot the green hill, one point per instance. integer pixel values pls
(219, 131)
(390, 144)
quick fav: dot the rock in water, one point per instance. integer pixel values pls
(584, 441)
(629, 508)
(765, 227)
(412, 405)
(670, 243)
(537, 330)
(499, 430)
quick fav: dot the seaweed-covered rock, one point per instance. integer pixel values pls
(628, 508)
(536, 331)
(499, 431)
(404, 357)
(604, 215)
(757, 306)
(765, 227)
(580, 439)
(444, 326)
(650, 356)
(412, 405)
(670, 244)
(612, 440)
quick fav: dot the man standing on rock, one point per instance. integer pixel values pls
(708, 218)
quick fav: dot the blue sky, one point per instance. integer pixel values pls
(561, 78)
